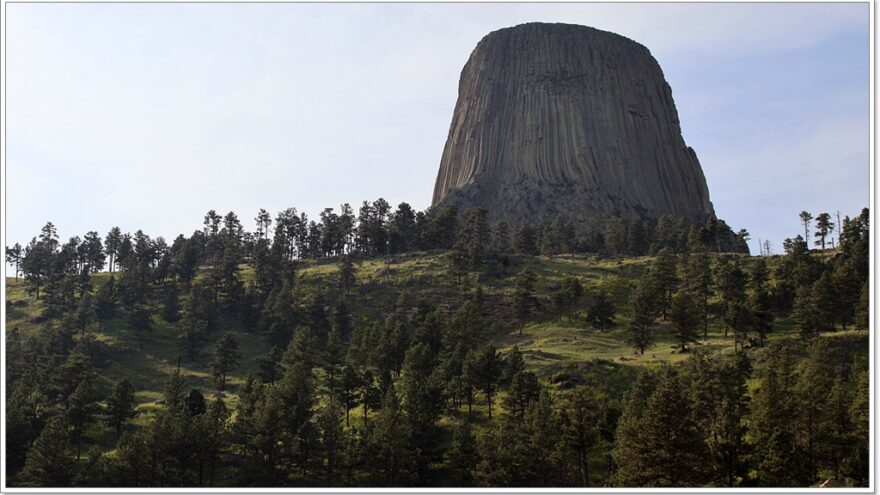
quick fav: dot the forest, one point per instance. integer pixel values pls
(432, 349)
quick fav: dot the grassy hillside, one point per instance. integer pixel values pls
(561, 351)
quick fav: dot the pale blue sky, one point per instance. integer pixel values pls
(148, 115)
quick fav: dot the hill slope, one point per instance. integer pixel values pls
(556, 342)
(550, 344)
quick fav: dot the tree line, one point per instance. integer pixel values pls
(375, 231)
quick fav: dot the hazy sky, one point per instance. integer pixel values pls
(148, 115)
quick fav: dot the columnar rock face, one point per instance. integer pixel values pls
(565, 121)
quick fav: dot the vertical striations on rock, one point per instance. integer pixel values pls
(566, 121)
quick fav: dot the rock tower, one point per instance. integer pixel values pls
(566, 121)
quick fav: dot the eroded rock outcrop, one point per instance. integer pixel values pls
(558, 120)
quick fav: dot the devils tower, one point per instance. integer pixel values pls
(566, 121)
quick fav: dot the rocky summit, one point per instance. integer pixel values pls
(565, 121)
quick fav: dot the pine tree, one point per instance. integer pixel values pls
(226, 356)
(402, 229)
(806, 314)
(92, 250)
(523, 296)
(212, 441)
(342, 320)
(671, 451)
(264, 221)
(349, 389)
(488, 367)
(171, 306)
(664, 279)
(192, 332)
(24, 421)
(628, 441)
(824, 226)
(847, 288)
(39, 260)
(525, 240)
(856, 465)
(317, 318)
(392, 460)
(615, 236)
(698, 278)
(759, 300)
(530, 452)
(121, 406)
(581, 430)
(732, 288)
(824, 297)
(85, 313)
(467, 328)
(641, 329)
(501, 237)
(636, 238)
(779, 457)
(458, 261)
(296, 391)
(543, 428)
(279, 316)
(81, 413)
(806, 217)
(195, 403)
(270, 365)
(334, 356)
(421, 401)
(811, 390)
(333, 441)
(259, 429)
(70, 367)
(470, 378)
(721, 406)
(347, 274)
(50, 463)
(863, 315)
(573, 290)
(513, 364)
(600, 311)
(474, 235)
(371, 396)
(14, 256)
(111, 246)
(187, 261)
(560, 301)
(778, 460)
(685, 318)
(524, 388)
(835, 442)
(462, 454)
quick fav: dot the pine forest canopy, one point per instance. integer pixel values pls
(362, 354)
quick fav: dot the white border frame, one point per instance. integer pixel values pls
(871, 339)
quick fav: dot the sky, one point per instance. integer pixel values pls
(146, 116)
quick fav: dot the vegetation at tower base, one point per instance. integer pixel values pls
(401, 348)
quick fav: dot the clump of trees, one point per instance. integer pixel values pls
(821, 293)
